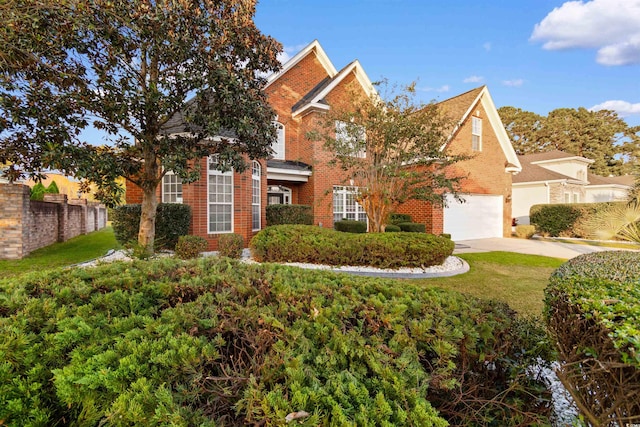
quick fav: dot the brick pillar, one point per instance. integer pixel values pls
(63, 214)
(85, 217)
(14, 209)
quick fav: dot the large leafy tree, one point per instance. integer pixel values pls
(130, 68)
(599, 135)
(392, 150)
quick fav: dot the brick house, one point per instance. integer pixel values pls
(299, 171)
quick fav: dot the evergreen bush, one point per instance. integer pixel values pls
(554, 220)
(397, 218)
(231, 245)
(412, 227)
(310, 244)
(52, 188)
(216, 342)
(37, 191)
(289, 214)
(592, 307)
(189, 246)
(350, 226)
(392, 228)
(172, 221)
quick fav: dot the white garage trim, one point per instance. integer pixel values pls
(480, 217)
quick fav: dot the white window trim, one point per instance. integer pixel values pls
(476, 130)
(345, 190)
(181, 198)
(283, 155)
(219, 173)
(256, 178)
(285, 191)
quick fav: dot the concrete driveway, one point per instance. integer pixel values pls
(528, 246)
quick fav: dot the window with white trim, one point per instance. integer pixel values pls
(345, 204)
(220, 198)
(171, 188)
(351, 137)
(476, 133)
(576, 198)
(278, 146)
(255, 195)
(567, 197)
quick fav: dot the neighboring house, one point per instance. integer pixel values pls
(560, 177)
(300, 171)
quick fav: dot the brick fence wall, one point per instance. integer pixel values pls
(26, 225)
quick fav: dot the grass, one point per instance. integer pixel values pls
(79, 249)
(517, 279)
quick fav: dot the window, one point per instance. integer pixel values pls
(220, 190)
(278, 195)
(255, 195)
(476, 134)
(345, 204)
(576, 198)
(278, 145)
(567, 197)
(353, 138)
(171, 188)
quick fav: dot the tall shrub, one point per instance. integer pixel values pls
(37, 192)
(554, 220)
(172, 221)
(289, 214)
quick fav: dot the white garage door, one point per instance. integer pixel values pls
(479, 217)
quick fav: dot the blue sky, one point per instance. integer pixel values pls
(537, 55)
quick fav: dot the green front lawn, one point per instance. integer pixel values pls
(79, 249)
(517, 279)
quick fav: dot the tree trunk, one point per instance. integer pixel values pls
(147, 234)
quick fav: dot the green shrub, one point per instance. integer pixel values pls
(172, 221)
(525, 231)
(554, 220)
(289, 214)
(37, 192)
(592, 307)
(446, 235)
(397, 218)
(189, 246)
(412, 227)
(52, 188)
(392, 228)
(310, 244)
(231, 245)
(217, 342)
(350, 226)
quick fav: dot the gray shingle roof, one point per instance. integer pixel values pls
(288, 164)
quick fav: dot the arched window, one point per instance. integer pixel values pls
(255, 195)
(278, 145)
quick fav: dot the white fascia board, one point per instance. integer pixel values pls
(309, 108)
(617, 186)
(320, 54)
(546, 181)
(288, 174)
(564, 159)
(513, 163)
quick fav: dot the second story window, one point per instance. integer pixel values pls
(476, 134)
(278, 145)
(353, 138)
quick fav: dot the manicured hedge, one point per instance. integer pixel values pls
(592, 308)
(289, 214)
(350, 226)
(172, 221)
(310, 244)
(392, 228)
(214, 342)
(566, 220)
(397, 218)
(412, 227)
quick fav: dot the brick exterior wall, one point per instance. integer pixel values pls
(26, 225)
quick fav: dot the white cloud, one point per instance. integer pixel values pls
(487, 46)
(610, 26)
(623, 108)
(513, 83)
(443, 88)
(289, 52)
(473, 79)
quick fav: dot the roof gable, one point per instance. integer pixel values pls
(460, 108)
(312, 48)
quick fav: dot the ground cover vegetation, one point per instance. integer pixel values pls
(217, 342)
(129, 68)
(391, 149)
(316, 245)
(592, 309)
(79, 249)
